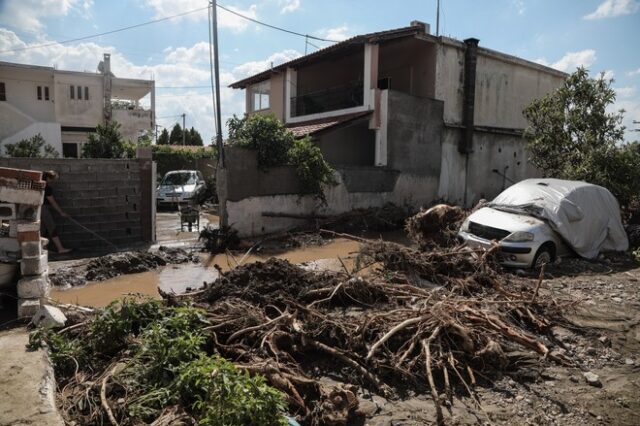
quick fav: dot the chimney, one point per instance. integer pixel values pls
(106, 64)
(469, 94)
(426, 28)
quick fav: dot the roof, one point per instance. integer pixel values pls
(315, 126)
(346, 44)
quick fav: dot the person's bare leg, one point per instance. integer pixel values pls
(59, 247)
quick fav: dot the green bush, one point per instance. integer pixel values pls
(34, 147)
(276, 146)
(573, 134)
(163, 361)
(107, 142)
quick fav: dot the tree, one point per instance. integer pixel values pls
(572, 136)
(34, 147)
(176, 135)
(163, 139)
(195, 138)
(107, 142)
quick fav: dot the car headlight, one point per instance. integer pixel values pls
(519, 236)
(465, 226)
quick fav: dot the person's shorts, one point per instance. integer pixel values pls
(47, 223)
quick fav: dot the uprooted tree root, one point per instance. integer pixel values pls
(430, 322)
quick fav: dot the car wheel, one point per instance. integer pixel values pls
(544, 256)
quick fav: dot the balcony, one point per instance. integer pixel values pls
(336, 98)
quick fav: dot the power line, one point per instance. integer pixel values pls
(130, 27)
(166, 18)
(275, 27)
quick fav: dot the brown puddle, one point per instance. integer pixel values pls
(181, 278)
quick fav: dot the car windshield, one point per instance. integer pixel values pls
(179, 179)
(526, 209)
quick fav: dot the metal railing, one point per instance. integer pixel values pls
(339, 97)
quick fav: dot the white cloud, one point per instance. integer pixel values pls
(164, 8)
(198, 53)
(571, 60)
(335, 34)
(608, 74)
(634, 73)
(289, 5)
(27, 14)
(519, 7)
(254, 67)
(613, 8)
(625, 92)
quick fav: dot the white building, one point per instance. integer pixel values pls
(66, 106)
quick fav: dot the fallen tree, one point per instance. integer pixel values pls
(438, 323)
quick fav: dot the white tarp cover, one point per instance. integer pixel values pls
(586, 216)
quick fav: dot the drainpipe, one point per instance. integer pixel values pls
(469, 94)
(469, 100)
(106, 78)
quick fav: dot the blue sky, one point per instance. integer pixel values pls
(600, 34)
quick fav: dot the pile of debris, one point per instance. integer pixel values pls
(437, 225)
(116, 264)
(437, 323)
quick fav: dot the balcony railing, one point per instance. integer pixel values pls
(339, 97)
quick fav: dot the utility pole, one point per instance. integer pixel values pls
(183, 128)
(438, 19)
(216, 66)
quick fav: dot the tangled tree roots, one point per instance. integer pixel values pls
(437, 225)
(431, 322)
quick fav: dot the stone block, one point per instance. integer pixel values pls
(37, 265)
(31, 248)
(33, 287)
(49, 317)
(7, 211)
(28, 307)
(27, 212)
(32, 197)
(22, 225)
(9, 244)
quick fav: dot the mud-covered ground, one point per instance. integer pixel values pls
(602, 333)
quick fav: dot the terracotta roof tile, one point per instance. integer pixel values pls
(314, 126)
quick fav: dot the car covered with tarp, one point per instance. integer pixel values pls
(537, 220)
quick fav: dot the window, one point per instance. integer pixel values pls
(86, 93)
(72, 92)
(260, 96)
(39, 93)
(3, 93)
(46, 93)
(79, 92)
(70, 150)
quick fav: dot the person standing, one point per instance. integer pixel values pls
(48, 224)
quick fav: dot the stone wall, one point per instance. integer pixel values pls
(113, 198)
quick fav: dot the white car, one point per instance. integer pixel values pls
(538, 220)
(179, 186)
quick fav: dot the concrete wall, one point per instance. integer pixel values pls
(12, 120)
(110, 197)
(505, 85)
(21, 88)
(414, 132)
(352, 145)
(79, 112)
(132, 122)
(465, 183)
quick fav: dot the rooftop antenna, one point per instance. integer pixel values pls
(438, 18)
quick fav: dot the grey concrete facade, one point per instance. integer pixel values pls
(111, 197)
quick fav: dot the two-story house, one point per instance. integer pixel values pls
(408, 114)
(65, 106)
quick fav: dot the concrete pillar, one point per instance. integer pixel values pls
(291, 90)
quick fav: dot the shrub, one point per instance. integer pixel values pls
(107, 142)
(34, 147)
(277, 146)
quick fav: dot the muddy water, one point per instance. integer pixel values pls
(181, 278)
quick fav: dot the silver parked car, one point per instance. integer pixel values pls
(537, 220)
(179, 186)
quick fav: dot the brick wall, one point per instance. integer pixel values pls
(111, 197)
